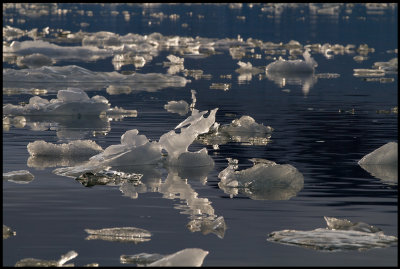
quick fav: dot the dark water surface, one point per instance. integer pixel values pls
(317, 131)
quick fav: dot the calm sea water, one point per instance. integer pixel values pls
(318, 132)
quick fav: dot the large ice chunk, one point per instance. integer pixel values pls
(382, 163)
(340, 235)
(191, 257)
(73, 148)
(244, 130)
(266, 180)
(293, 66)
(20, 177)
(386, 154)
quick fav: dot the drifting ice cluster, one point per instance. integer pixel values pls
(340, 234)
(266, 180)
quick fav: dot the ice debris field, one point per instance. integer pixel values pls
(137, 163)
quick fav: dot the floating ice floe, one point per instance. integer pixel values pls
(8, 232)
(307, 65)
(382, 163)
(180, 107)
(266, 180)
(119, 234)
(56, 52)
(191, 257)
(247, 71)
(73, 148)
(32, 262)
(20, 177)
(56, 77)
(244, 130)
(340, 235)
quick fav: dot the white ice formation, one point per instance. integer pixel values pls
(180, 107)
(72, 101)
(32, 262)
(190, 257)
(119, 234)
(20, 177)
(138, 150)
(266, 180)
(385, 155)
(382, 163)
(244, 130)
(34, 60)
(340, 235)
(74, 148)
(293, 66)
(247, 71)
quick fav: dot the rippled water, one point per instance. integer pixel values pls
(323, 132)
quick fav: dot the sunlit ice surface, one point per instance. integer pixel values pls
(305, 92)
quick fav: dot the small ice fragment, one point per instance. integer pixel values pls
(368, 72)
(293, 66)
(73, 148)
(141, 258)
(34, 60)
(180, 107)
(20, 177)
(119, 234)
(386, 154)
(8, 232)
(108, 177)
(344, 224)
(191, 257)
(205, 226)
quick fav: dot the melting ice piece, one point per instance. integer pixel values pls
(108, 177)
(73, 148)
(340, 235)
(8, 232)
(246, 71)
(32, 262)
(293, 66)
(368, 72)
(244, 130)
(20, 177)
(119, 234)
(386, 154)
(382, 163)
(187, 257)
(72, 101)
(266, 180)
(205, 226)
(180, 107)
(141, 258)
(390, 67)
